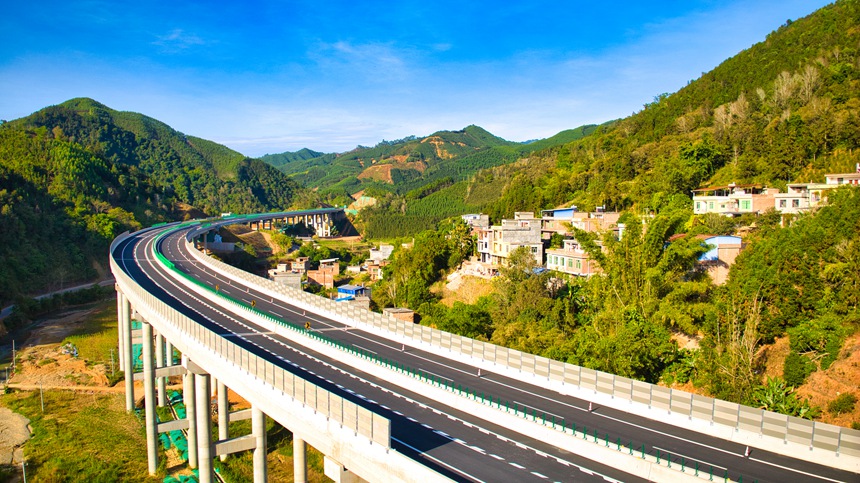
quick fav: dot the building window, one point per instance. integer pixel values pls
(746, 205)
(569, 263)
(782, 203)
(578, 263)
(795, 203)
(710, 205)
(698, 206)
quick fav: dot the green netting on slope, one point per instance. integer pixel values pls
(176, 438)
(183, 478)
(137, 360)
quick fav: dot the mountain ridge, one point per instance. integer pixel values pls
(74, 175)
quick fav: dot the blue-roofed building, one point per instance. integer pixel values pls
(717, 242)
(352, 291)
(723, 250)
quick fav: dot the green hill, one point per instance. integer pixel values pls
(75, 175)
(786, 109)
(282, 159)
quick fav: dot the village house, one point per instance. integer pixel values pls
(284, 276)
(722, 254)
(559, 220)
(733, 199)
(571, 258)
(299, 265)
(384, 252)
(477, 220)
(324, 276)
(497, 242)
(800, 197)
(352, 291)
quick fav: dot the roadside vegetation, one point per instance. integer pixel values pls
(799, 281)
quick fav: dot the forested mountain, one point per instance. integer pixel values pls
(279, 160)
(410, 163)
(75, 175)
(416, 181)
(786, 109)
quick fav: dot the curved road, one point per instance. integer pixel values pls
(461, 446)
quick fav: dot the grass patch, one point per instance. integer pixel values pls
(353, 246)
(81, 437)
(97, 334)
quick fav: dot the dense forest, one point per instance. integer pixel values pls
(75, 175)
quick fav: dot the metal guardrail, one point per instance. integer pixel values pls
(348, 414)
(814, 434)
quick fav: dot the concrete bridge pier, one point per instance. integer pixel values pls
(168, 352)
(128, 358)
(159, 363)
(225, 445)
(188, 396)
(300, 460)
(223, 414)
(204, 426)
(258, 432)
(149, 400)
(120, 350)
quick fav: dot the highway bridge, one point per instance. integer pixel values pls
(386, 400)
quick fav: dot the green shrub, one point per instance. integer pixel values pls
(796, 368)
(844, 403)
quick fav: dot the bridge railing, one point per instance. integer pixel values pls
(362, 421)
(822, 436)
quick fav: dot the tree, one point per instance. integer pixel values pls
(468, 320)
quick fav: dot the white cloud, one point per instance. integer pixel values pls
(177, 41)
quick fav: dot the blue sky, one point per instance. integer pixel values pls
(268, 77)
